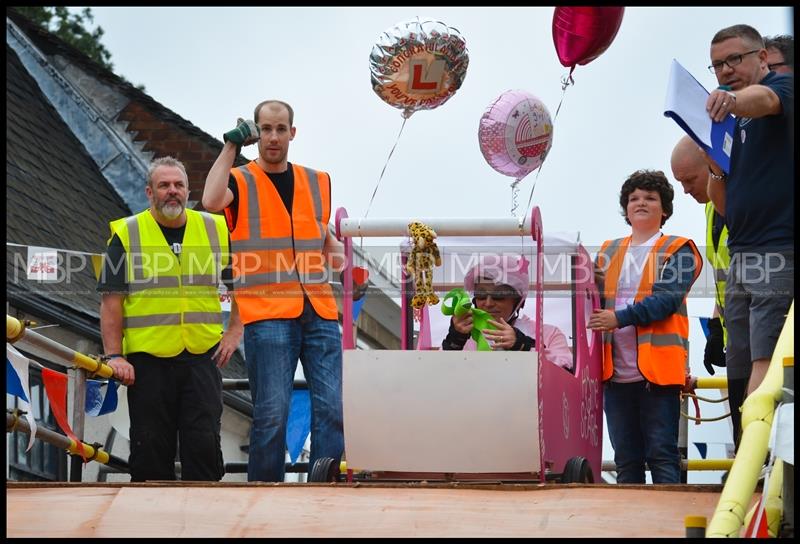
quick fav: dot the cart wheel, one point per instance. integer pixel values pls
(577, 470)
(325, 469)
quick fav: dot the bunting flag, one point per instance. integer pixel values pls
(758, 526)
(13, 383)
(360, 285)
(97, 265)
(702, 447)
(704, 326)
(357, 304)
(299, 425)
(17, 385)
(99, 403)
(55, 384)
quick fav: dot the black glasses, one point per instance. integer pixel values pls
(498, 296)
(733, 60)
(776, 64)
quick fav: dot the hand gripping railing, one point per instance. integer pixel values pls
(17, 330)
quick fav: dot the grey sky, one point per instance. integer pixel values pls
(212, 65)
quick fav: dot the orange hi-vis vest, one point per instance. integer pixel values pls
(662, 351)
(278, 258)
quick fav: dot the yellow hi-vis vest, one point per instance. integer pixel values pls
(173, 301)
(720, 260)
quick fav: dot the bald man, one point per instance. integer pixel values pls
(690, 168)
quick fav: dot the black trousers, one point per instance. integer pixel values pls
(175, 401)
(737, 391)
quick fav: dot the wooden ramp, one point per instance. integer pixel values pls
(352, 510)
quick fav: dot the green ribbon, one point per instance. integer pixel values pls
(457, 302)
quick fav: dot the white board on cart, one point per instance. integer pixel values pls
(441, 411)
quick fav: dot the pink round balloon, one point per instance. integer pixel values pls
(515, 133)
(581, 34)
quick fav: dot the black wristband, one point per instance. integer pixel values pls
(454, 341)
(523, 342)
(110, 356)
(715, 327)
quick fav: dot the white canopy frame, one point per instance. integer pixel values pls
(348, 228)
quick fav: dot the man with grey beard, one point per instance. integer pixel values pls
(161, 323)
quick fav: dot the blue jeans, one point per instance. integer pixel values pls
(643, 427)
(273, 348)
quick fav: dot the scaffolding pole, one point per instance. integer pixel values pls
(93, 453)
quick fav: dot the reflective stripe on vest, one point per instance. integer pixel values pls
(172, 303)
(157, 320)
(662, 346)
(278, 259)
(720, 260)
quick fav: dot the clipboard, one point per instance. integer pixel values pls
(686, 104)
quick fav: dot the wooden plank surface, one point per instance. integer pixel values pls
(317, 510)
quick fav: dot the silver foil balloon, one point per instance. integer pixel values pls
(418, 65)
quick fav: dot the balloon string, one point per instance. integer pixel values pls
(514, 197)
(566, 82)
(385, 165)
(538, 171)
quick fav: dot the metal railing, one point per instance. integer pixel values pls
(79, 368)
(92, 451)
(757, 418)
(718, 382)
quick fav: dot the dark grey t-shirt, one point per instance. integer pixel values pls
(283, 182)
(113, 278)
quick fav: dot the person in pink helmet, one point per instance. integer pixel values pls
(499, 285)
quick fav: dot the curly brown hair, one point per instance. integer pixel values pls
(648, 180)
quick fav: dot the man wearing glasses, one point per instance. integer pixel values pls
(780, 53)
(757, 199)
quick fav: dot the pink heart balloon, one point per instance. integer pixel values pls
(581, 34)
(515, 133)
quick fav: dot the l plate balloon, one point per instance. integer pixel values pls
(418, 65)
(515, 133)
